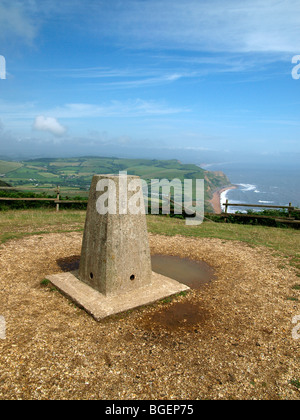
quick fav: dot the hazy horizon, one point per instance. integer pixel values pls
(207, 160)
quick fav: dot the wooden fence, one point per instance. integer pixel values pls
(57, 201)
(288, 219)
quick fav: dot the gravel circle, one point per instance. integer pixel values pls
(231, 339)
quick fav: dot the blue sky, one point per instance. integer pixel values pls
(111, 77)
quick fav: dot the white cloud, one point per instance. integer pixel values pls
(206, 25)
(49, 124)
(16, 22)
(18, 114)
(133, 108)
(200, 25)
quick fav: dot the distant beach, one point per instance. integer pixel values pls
(218, 196)
(270, 183)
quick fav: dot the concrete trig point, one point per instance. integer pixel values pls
(115, 272)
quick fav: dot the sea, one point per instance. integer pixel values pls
(268, 183)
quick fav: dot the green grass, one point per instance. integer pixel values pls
(292, 299)
(15, 224)
(45, 282)
(284, 242)
(295, 383)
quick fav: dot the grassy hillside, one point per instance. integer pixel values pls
(76, 173)
(6, 167)
(3, 184)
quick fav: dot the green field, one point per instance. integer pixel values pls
(6, 167)
(76, 173)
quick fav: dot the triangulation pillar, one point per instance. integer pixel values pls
(115, 272)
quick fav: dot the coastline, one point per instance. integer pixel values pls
(216, 199)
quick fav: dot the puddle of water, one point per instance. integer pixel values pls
(192, 273)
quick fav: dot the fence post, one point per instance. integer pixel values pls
(57, 198)
(290, 210)
(226, 207)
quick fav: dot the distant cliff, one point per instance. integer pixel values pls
(214, 180)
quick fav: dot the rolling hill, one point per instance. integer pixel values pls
(75, 174)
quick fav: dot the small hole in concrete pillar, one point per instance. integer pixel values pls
(132, 277)
(91, 276)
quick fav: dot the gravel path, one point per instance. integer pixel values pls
(231, 339)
